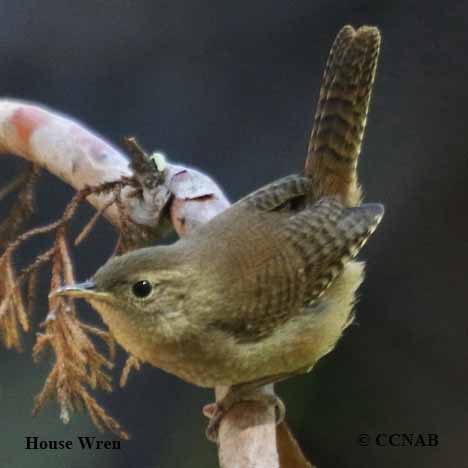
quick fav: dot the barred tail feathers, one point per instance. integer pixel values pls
(335, 141)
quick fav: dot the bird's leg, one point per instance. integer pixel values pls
(238, 394)
(246, 392)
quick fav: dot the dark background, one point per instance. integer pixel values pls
(231, 88)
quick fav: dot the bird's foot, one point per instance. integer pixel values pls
(216, 411)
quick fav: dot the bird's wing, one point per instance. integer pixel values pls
(326, 236)
(278, 194)
(309, 252)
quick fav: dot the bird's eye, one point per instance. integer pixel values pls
(142, 289)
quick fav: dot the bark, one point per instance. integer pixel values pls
(80, 157)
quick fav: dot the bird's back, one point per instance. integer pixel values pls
(276, 253)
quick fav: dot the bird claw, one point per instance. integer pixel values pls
(216, 411)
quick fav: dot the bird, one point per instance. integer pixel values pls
(260, 292)
(266, 288)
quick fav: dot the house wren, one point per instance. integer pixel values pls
(266, 288)
(259, 293)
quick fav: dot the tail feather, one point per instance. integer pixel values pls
(340, 120)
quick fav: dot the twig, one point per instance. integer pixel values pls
(92, 222)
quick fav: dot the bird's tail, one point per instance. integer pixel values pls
(340, 119)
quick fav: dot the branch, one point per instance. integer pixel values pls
(247, 435)
(81, 158)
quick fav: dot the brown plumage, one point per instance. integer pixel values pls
(340, 119)
(266, 288)
(244, 296)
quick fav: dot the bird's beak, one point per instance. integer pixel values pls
(85, 290)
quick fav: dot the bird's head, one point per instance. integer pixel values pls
(138, 290)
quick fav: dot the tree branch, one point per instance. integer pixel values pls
(79, 157)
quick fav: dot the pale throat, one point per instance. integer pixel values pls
(119, 325)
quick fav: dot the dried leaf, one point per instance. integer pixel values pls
(131, 363)
(79, 367)
(12, 311)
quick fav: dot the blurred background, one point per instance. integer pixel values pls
(231, 88)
